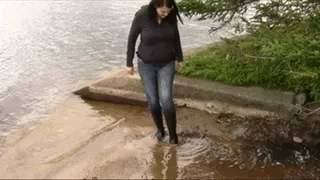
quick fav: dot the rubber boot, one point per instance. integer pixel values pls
(157, 119)
(171, 121)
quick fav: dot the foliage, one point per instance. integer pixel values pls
(265, 13)
(281, 49)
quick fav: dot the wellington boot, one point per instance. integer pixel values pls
(158, 121)
(172, 126)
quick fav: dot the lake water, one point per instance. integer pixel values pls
(47, 47)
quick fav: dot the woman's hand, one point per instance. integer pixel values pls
(130, 70)
(179, 66)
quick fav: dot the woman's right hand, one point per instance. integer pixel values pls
(130, 70)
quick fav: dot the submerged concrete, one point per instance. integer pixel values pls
(97, 140)
(120, 87)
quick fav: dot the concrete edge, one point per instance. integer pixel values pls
(212, 106)
(119, 87)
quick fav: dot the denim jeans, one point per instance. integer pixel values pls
(157, 80)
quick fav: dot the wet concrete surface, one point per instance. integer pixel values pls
(87, 139)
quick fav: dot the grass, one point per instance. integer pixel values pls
(288, 63)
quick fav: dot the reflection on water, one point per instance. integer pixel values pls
(222, 160)
(165, 162)
(211, 156)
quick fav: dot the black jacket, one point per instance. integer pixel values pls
(159, 43)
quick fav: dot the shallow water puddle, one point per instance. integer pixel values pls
(86, 139)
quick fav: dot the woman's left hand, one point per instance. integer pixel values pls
(179, 66)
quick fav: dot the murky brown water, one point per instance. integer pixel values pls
(86, 139)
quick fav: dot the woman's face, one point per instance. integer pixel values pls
(163, 11)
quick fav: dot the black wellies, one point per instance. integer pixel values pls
(171, 121)
(157, 119)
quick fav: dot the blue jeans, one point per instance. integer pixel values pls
(157, 80)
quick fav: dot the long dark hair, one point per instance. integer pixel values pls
(172, 16)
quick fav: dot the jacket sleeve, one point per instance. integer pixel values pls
(132, 38)
(177, 43)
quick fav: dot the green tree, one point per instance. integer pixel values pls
(281, 50)
(267, 13)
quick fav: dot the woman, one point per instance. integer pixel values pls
(159, 48)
